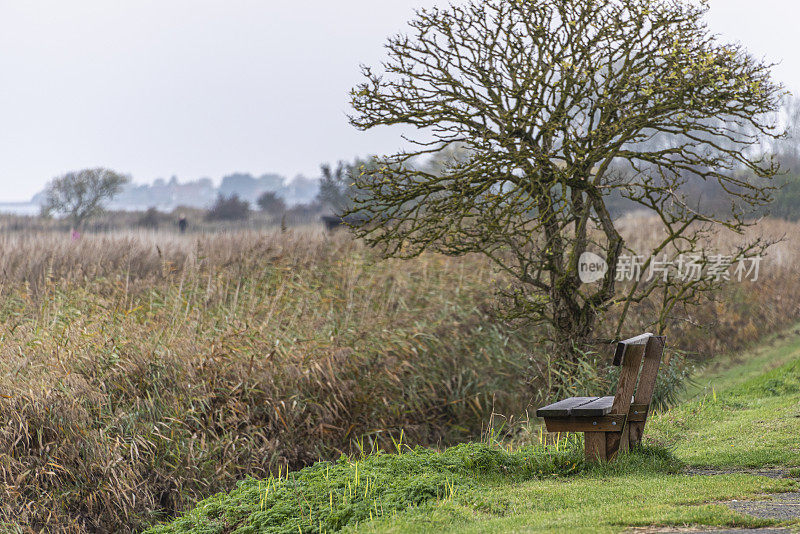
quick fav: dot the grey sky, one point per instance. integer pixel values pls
(197, 88)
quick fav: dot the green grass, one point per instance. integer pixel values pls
(744, 411)
(591, 504)
(728, 370)
(754, 424)
(332, 495)
(751, 420)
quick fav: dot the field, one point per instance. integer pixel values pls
(144, 371)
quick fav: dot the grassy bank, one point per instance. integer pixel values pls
(749, 418)
(751, 422)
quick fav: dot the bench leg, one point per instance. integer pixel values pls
(636, 429)
(595, 446)
(616, 443)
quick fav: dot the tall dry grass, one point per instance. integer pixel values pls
(739, 313)
(140, 371)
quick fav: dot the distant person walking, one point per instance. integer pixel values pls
(75, 234)
(182, 223)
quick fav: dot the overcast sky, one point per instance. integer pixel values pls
(197, 88)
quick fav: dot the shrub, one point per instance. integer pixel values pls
(230, 208)
(271, 203)
(152, 218)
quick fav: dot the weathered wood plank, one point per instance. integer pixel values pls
(606, 423)
(563, 408)
(647, 384)
(616, 442)
(628, 377)
(599, 406)
(638, 412)
(652, 361)
(624, 346)
(635, 433)
(595, 446)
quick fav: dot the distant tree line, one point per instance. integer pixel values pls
(83, 194)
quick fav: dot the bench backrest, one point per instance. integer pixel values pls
(629, 355)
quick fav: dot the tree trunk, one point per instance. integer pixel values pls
(570, 340)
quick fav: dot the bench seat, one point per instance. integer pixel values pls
(578, 407)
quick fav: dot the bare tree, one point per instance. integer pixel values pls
(81, 195)
(558, 104)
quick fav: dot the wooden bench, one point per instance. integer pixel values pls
(613, 424)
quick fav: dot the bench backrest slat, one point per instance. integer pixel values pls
(625, 345)
(647, 385)
(628, 376)
(652, 361)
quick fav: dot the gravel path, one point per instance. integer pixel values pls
(781, 506)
